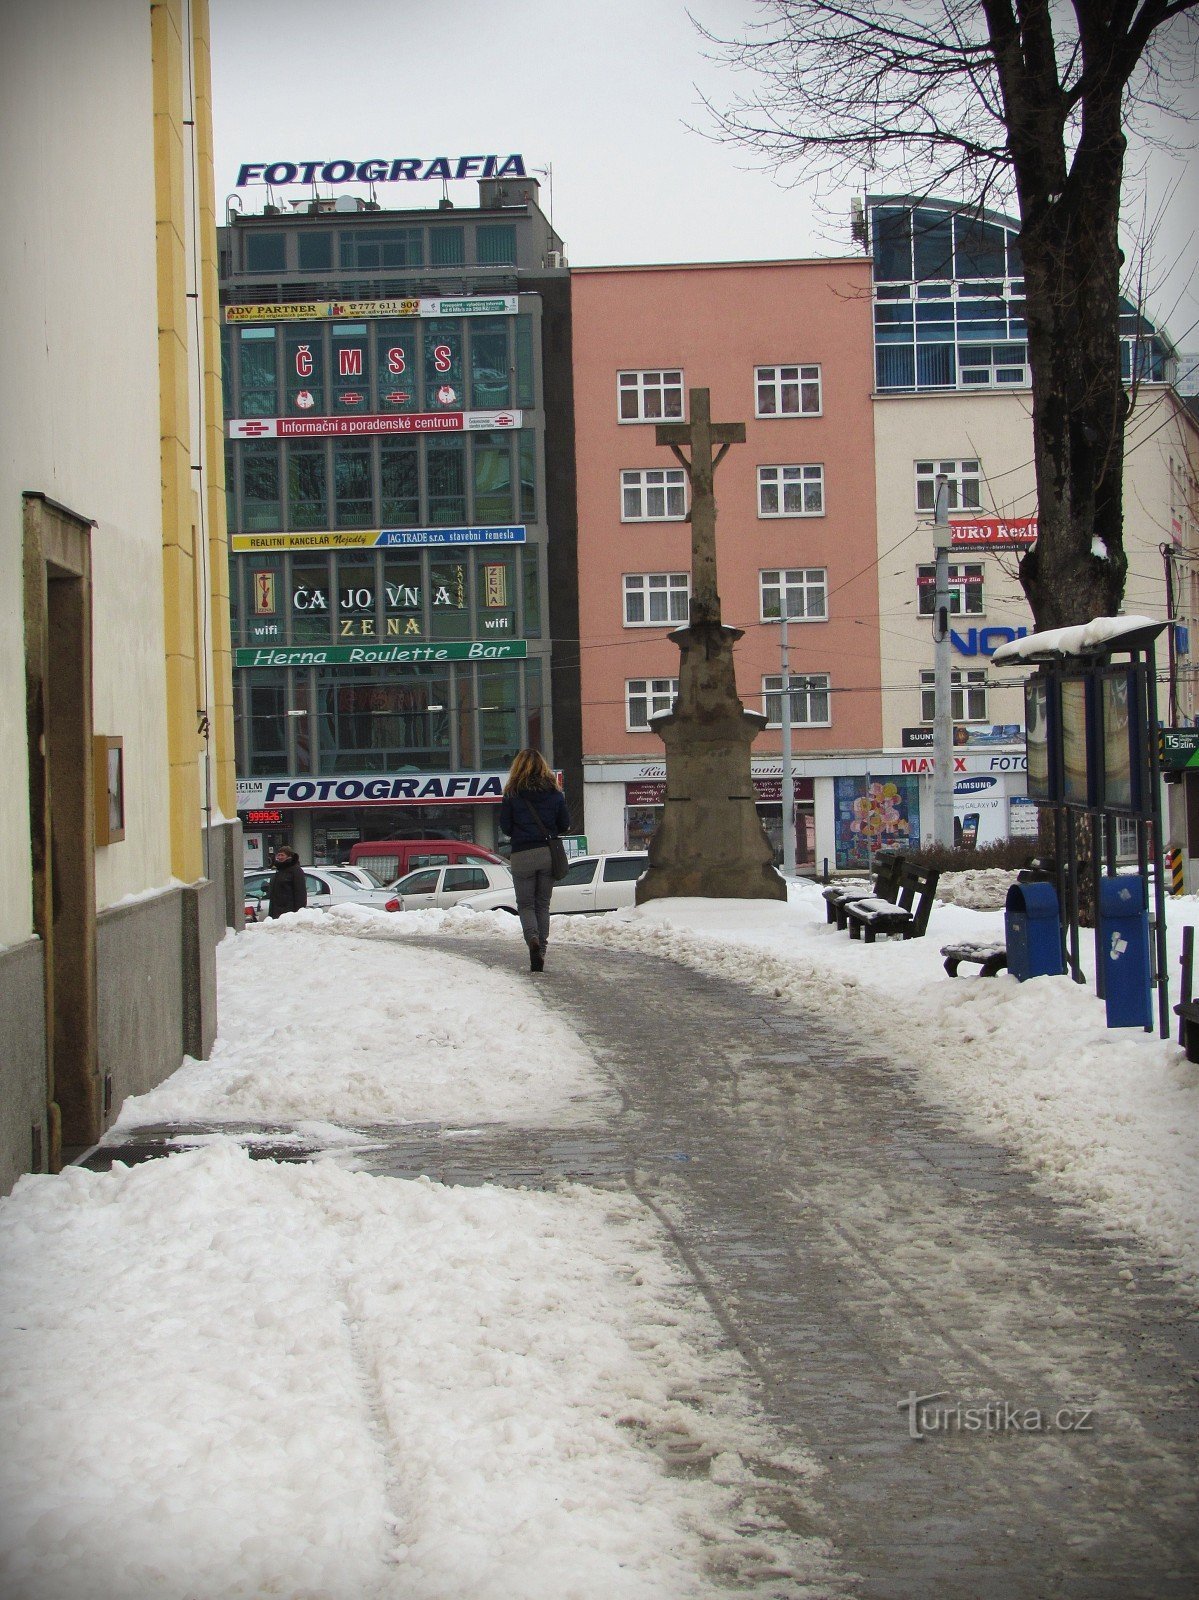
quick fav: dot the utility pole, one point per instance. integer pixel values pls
(788, 776)
(942, 703)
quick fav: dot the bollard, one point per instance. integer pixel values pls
(1175, 869)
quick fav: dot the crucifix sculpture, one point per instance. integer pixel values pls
(710, 842)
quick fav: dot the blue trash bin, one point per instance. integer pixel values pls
(1124, 947)
(1033, 931)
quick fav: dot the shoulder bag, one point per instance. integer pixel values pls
(559, 865)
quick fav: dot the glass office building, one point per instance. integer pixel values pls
(391, 493)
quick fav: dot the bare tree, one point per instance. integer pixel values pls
(998, 99)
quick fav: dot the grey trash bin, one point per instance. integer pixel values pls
(1124, 944)
(1033, 930)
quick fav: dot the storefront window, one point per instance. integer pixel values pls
(532, 594)
(524, 361)
(307, 486)
(402, 587)
(374, 721)
(401, 484)
(444, 386)
(395, 363)
(496, 595)
(493, 478)
(489, 378)
(449, 597)
(353, 500)
(259, 385)
(446, 473)
(639, 825)
(304, 369)
(350, 373)
(311, 601)
(260, 486)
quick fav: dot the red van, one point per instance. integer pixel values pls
(389, 859)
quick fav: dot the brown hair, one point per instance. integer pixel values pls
(530, 770)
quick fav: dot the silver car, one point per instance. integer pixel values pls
(327, 886)
(439, 887)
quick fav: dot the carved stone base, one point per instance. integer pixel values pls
(710, 843)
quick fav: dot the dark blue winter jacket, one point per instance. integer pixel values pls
(520, 826)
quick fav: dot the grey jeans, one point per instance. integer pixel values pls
(533, 880)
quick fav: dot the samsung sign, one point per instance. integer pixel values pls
(410, 169)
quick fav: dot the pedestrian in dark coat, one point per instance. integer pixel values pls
(287, 890)
(533, 808)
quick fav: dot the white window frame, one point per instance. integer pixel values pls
(782, 478)
(961, 584)
(650, 381)
(777, 382)
(966, 688)
(650, 696)
(806, 688)
(965, 484)
(649, 484)
(646, 584)
(798, 583)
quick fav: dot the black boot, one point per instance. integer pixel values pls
(536, 957)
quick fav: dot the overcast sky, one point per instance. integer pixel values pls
(605, 91)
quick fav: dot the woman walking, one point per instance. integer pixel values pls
(532, 812)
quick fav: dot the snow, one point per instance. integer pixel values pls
(355, 1032)
(1073, 641)
(226, 1378)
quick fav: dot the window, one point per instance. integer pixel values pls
(400, 478)
(352, 499)
(787, 391)
(803, 590)
(445, 465)
(791, 491)
(489, 373)
(316, 251)
(809, 701)
(649, 396)
(382, 247)
(495, 244)
(965, 590)
(654, 495)
(492, 453)
(424, 882)
(266, 252)
(447, 247)
(259, 380)
(654, 598)
(645, 698)
(307, 499)
(260, 486)
(579, 872)
(965, 484)
(967, 699)
(465, 878)
(624, 869)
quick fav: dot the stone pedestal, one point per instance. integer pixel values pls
(710, 842)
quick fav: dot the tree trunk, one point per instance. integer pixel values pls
(1072, 266)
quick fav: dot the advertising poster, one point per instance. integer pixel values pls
(1117, 741)
(873, 813)
(979, 812)
(1074, 741)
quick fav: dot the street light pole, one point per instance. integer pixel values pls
(788, 778)
(942, 686)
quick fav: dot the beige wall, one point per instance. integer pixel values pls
(717, 323)
(996, 430)
(79, 395)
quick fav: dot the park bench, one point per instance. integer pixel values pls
(1187, 1009)
(908, 916)
(838, 896)
(990, 958)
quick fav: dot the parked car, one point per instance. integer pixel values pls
(605, 882)
(389, 859)
(446, 886)
(327, 886)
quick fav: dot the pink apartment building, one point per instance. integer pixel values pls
(786, 347)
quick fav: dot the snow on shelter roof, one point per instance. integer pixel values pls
(1087, 638)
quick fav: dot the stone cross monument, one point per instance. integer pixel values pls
(710, 842)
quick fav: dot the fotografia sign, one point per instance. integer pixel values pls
(380, 169)
(370, 789)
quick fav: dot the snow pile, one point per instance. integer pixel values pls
(353, 1030)
(981, 889)
(301, 1381)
